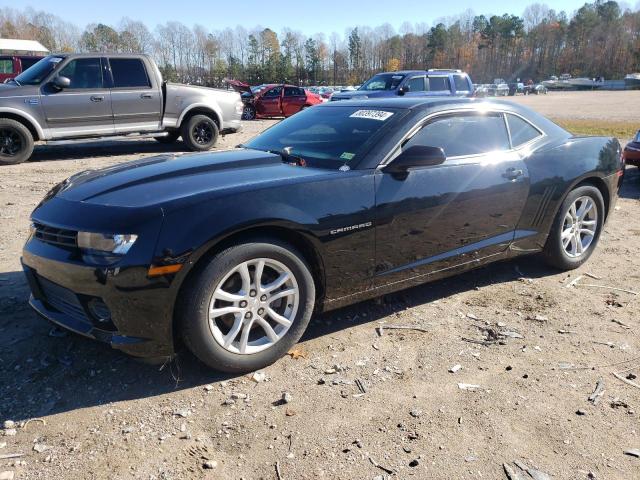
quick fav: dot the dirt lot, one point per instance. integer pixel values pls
(84, 411)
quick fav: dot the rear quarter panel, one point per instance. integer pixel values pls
(555, 170)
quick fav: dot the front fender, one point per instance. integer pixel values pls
(43, 134)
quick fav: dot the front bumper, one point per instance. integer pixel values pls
(140, 308)
(232, 126)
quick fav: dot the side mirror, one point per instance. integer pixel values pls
(415, 157)
(403, 90)
(61, 83)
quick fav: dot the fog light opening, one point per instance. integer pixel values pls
(99, 311)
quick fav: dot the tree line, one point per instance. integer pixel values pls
(599, 39)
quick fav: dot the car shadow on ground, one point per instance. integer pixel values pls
(103, 148)
(44, 371)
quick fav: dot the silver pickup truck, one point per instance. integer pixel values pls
(79, 96)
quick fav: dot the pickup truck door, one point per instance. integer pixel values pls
(293, 99)
(460, 211)
(269, 104)
(84, 108)
(136, 98)
(438, 86)
(417, 86)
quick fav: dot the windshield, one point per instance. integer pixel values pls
(382, 81)
(328, 136)
(637, 139)
(38, 72)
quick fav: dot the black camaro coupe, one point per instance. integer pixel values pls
(231, 252)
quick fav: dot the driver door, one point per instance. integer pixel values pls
(84, 108)
(270, 102)
(465, 209)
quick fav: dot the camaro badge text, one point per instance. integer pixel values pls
(350, 228)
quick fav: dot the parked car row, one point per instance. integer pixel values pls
(73, 96)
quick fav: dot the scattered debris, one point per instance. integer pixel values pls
(10, 432)
(381, 467)
(607, 287)
(182, 413)
(297, 353)
(210, 464)
(44, 423)
(538, 318)
(597, 394)
(259, 377)
(538, 475)
(287, 397)
(468, 386)
(415, 413)
(278, 474)
(634, 452)
(628, 382)
(40, 448)
(455, 368)
(381, 328)
(591, 275)
(361, 385)
(573, 282)
(8, 456)
(620, 323)
(510, 472)
(9, 424)
(414, 463)
(510, 334)
(580, 412)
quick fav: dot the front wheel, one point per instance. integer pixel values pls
(16, 142)
(248, 112)
(576, 229)
(199, 133)
(248, 306)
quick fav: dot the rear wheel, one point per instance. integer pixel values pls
(16, 142)
(199, 133)
(248, 306)
(576, 229)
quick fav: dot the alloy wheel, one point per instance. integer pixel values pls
(253, 306)
(248, 113)
(579, 227)
(10, 142)
(202, 133)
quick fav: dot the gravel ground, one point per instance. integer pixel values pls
(84, 411)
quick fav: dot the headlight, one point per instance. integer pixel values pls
(116, 244)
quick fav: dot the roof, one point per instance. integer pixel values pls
(8, 44)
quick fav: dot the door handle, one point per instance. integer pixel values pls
(512, 173)
(146, 95)
(97, 98)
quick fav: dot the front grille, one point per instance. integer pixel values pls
(62, 299)
(55, 236)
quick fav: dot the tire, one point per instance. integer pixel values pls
(568, 257)
(171, 137)
(199, 133)
(248, 112)
(16, 142)
(206, 337)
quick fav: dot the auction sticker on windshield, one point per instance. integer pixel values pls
(372, 114)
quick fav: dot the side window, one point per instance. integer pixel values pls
(461, 83)
(461, 135)
(129, 73)
(83, 73)
(521, 130)
(274, 92)
(302, 92)
(293, 91)
(416, 84)
(439, 84)
(6, 65)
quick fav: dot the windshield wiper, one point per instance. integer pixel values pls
(287, 157)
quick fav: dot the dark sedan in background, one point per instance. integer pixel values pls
(232, 252)
(632, 151)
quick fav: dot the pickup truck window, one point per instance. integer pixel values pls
(382, 81)
(83, 73)
(36, 74)
(439, 84)
(6, 65)
(129, 73)
(461, 83)
(416, 84)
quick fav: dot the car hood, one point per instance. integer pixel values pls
(170, 181)
(238, 86)
(13, 90)
(362, 94)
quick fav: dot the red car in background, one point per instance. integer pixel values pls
(273, 100)
(13, 65)
(632, 151)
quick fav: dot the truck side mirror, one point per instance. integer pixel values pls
(404, 89)
(60, 82)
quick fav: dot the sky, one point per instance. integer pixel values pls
(307, 16)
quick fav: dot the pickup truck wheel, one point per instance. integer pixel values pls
(16, 142)
(170, 138)
(248, 112)
(199, 133)
(248, 306)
